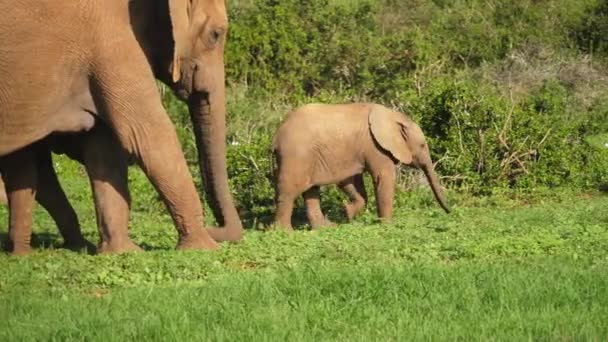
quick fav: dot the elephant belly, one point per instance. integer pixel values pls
(333, 174)
(78, 113)
(24, 124)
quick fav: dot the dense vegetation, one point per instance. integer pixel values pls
(511, 94)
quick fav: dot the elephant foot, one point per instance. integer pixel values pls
(21, 250)
(199, 240)
(385, 220)
(322, 224)
(226, 234)
(352, 209)
(281, 226)
(118, 247)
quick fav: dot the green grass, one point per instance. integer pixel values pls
(518, 267)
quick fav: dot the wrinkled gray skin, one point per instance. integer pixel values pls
(320, 144)
(64, 63)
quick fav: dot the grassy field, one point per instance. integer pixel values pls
(508, 267)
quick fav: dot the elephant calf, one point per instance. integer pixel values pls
(321, 144)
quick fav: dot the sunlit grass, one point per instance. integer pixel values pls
(502, 267)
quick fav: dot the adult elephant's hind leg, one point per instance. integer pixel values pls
(107, 167)
(19, 173)
(51, 196)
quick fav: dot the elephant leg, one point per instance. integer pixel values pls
(19, 173)
(287, 189)
(384, 185)
(354, 188)
(284, 203)
(313, 209)
(52, 197)
(107, 168)
(132, 104)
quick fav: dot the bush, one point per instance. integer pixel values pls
(591, 32)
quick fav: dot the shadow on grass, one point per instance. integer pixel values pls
(44, 241)
(299, 220)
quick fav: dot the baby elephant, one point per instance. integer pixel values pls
(321, 144)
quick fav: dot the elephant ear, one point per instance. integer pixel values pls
(390, 130)
(179, 12)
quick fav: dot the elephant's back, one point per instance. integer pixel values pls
(325, 120)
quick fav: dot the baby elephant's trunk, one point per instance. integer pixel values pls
(435, 186)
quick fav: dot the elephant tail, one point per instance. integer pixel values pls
(274, 169)
(274, 158)
(273, 164)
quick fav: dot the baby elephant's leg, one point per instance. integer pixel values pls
(313, 209)
(384, 182)
(289, 184)
(354, 188)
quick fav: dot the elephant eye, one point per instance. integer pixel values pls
(215, 35)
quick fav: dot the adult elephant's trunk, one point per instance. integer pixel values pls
(431, 176)
(208, 114)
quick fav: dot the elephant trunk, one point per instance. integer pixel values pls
(208, 115)
(433, 180)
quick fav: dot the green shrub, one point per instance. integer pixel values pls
(483, 140)
(251, 177)
(591, 32)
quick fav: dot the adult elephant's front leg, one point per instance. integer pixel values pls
(127, 91)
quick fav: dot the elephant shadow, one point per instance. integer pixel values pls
(39, 241)
(263, 222)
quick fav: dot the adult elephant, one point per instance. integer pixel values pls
(62, 61)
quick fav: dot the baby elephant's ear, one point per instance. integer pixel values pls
(390, 129)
